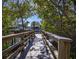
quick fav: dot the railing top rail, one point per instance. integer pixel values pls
(16, 47)
(58, 37)
(14, 35)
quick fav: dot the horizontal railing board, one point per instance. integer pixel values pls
(12, 49)
(13, 55)
(13, 35)
(21, 35)
(51, 47)
(63, 51)
(14, 46)
(56, 37)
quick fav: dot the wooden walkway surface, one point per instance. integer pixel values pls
(36, 50)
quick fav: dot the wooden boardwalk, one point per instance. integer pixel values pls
(30, 45)
(36, 50)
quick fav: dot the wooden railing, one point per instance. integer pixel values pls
(16, 43)
(60, 47)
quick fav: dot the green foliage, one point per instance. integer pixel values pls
(4, 0)
(58, 19)
(6, 19)
(13, 11)
(63, 24)
(6, 46)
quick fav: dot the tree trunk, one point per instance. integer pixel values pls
(22, 24)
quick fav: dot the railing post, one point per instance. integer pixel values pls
(63, 50)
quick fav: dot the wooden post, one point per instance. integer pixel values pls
(63, 50)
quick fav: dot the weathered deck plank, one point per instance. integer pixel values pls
(38, 50)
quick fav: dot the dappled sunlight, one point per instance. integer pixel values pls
(37, 29)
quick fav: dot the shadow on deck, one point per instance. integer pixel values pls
(25, 51)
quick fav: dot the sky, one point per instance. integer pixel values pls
(34, 18)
